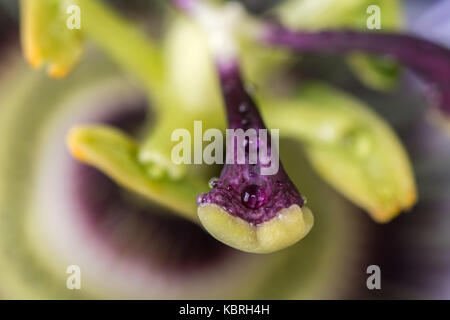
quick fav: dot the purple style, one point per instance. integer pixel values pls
(429, 60)
(242, 190)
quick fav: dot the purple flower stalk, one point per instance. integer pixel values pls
(242, 190)
(246, 209)
(428, 59)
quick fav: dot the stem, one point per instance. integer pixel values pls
(241, 110)
(430, 60)
(129, 47)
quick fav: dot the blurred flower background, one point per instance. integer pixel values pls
(56, 211)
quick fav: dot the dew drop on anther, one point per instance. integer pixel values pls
(213, 182)
(253, 196)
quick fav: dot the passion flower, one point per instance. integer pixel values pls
(248, 203)
(56, 211)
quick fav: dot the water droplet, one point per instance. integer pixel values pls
(243, 108)
(200, 199)
(359, 142)
(253, 196)
(245, 142)
(213, 182)
(304, 199)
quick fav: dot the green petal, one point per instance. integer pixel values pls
(379, 73)
(351, 147)
(190, 68)
(190, 93)
(46, 39)
(131, 48)
(114, 153)
(320, 14)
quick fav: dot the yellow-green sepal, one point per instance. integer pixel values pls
(351, 148)
(49, 37)
(115, 154)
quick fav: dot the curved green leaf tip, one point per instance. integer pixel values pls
(46, 38)
(115, 154)
(351, 147)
